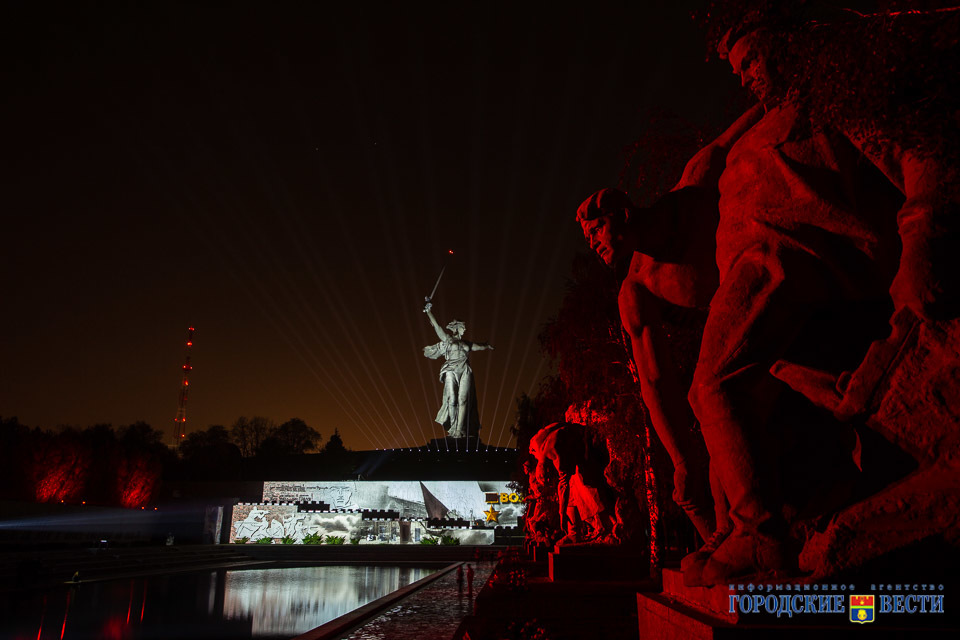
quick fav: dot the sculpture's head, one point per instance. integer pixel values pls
(529, 464)
(603, 218)
(457, 328)
(750, 57)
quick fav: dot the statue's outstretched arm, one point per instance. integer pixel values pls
(480, 346)
(441, 332)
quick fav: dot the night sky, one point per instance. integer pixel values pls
(288, 180)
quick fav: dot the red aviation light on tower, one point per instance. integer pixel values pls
(450, 252)
(180, 421)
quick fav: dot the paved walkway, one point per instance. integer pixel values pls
(431, 613)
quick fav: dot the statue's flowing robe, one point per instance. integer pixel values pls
(457, 364)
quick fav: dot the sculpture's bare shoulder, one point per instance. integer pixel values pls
(687, 285)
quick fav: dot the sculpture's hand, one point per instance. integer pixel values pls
(427, 308)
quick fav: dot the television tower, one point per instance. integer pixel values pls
(180, 422)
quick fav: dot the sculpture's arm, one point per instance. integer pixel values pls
(705, 167)
(541, 473)
(692, 203)
(480, 346)
(660, 385)
(441, 332)
(928, 223)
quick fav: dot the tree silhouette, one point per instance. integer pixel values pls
(293, 437)
(210, 455)
(249, 433)
(334, 446)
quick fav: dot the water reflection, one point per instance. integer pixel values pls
(293, 601)
(256, 603)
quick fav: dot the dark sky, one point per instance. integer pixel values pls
(288, 179)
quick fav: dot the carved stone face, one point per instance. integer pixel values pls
(749, 61)
(605, 236)
(457, 328)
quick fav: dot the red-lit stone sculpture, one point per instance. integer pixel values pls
(813, 242)
(668, 252)
(807, 227)
(584, 503)
(541, 518)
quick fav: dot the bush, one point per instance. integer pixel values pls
(334, 539)
(429, 540)
(243, 540)
(449, 540)
(265, 541)
(354, 540)
(313, 538)
(287, 540)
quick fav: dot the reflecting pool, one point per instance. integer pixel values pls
(252, 603)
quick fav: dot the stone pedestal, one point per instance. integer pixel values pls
(539, 554)
(683, 612)
(597, 563)
(473, 443)
(711, 601)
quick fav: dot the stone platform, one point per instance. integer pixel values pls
(596, 562)
(473, 443)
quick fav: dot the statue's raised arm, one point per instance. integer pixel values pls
(443, 335)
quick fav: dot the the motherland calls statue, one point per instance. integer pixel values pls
(458, 413)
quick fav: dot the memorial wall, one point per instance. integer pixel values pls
(366, 512)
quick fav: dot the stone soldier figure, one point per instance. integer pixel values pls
(807, 224)
(668, 251)
(458, 413)
(582, 493)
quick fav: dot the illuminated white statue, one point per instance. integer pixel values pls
(458, 412)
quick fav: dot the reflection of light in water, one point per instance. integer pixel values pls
(296, 600)
(66, 610)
